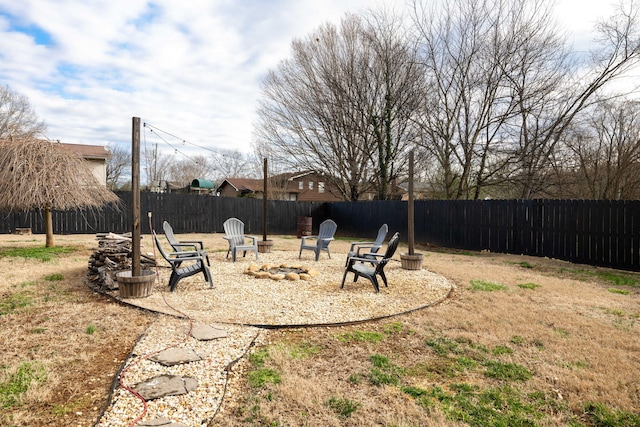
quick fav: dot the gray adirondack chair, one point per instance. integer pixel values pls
(325, 236)
(238, 241)
(360, 248)
(194, 245)
(372, 265)
(193, 259)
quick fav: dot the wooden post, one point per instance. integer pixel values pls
(135, 197)
(411, 228)
(264, 202)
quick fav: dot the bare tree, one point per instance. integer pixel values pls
(398, 92)
(476, 53)
(606, 152)
(157, 165)
(503, 89)
(234, 164)
(118, 166)
(17, 118)
(187, 169)
(339, 106)
(40, 174)
(546, 112)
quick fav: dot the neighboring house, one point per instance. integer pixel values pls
(307, 186)
(300, 186)
(96, 155)
(312, 186)
(198, 186)
(240, 187)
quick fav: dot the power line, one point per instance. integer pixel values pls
(184, 141)
(173, 147)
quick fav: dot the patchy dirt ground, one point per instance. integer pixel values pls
(574, 329)
(51, 318)
(579, 327)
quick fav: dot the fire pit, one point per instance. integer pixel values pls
(280, 272)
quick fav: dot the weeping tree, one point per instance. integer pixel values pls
(43, 175)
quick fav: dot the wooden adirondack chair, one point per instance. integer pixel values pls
(371, 265)
(325, 236)
(195, 265)
(357, 248)
(238, 241)
(195, 245)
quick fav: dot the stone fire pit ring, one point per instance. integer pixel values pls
(281, 272)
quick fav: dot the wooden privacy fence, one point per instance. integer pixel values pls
(187, 213)
(603, 233)
(594, 232)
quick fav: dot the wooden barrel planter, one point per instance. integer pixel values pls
(264, 246)
(136, 286)
(411, 262)
(304, 226)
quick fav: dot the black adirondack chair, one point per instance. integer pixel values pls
(194, 259)
(371, 265)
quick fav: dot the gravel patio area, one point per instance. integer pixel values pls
(238, 298)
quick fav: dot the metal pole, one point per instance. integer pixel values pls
(135, 197)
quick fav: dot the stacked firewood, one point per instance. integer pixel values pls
(113, 255)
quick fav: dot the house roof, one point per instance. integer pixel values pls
(98, 152)
(244, 184)
(290, 176)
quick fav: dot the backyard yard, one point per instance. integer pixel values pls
(519, 341)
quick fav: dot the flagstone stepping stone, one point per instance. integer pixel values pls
(165, 385)
(176, 356)
(160, 422)
(207, 333)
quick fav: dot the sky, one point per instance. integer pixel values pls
(191, 70)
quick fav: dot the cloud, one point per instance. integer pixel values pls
(192, 68)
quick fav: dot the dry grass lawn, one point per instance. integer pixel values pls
(522, 341)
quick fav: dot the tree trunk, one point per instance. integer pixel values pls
(48, 225)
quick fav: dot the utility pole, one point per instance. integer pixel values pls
(155, 165)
